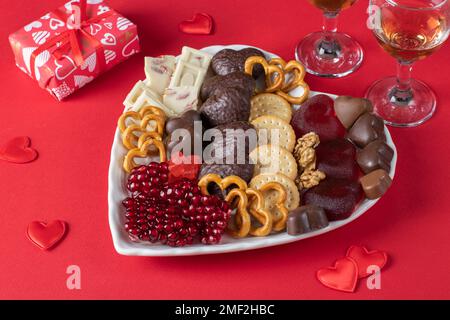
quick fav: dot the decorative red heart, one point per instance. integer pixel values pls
(46, 235)
(365, 258)
(18, 150)
(201, 23)
(342, 276)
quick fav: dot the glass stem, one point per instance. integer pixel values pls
(330, 21)
(402, 93)
(328, 47)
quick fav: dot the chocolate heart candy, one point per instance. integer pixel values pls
(232, 80)
(226, 105)
(306, 219)
(185, 120)
(228, 60)
(349, 109)
(366, 129)
(189, 138)
(376, 155)
(376, 183)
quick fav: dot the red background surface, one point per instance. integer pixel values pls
(69, 180)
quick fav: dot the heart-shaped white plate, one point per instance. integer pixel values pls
(117, 192)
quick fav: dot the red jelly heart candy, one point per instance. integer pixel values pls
(317, 115)
(18, 150)
(365, 258)
(201, 23)
(46, 235)
(184, 167)
(343, 276)
(337, 159)
(338, 197)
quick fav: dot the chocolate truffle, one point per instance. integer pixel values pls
(376, 155)
(228, 60)
(306, 219)
(226, 105)
(366, 129)
(349, 109)
(376, 183)
(232, 80)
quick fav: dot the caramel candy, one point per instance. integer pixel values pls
(349, 109)
(366, 129)
(306, 219)
(376, 183)
(376, 155)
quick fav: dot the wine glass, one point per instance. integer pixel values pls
(409, 30)
(329, 53)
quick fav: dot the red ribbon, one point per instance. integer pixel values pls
(72, 38)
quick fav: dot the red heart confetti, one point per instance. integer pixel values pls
(365, 258)
(343, 276)
(18, 150)
(46, 235)
(201, 23)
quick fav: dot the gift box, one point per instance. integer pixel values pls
(68, 47)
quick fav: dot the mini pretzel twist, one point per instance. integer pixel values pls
(242, 217)
(138, 116)
(223, 184)
(259, 212)
(131, 140)
(281, 213)
(297, 74)
(271, 71)
(129, 164)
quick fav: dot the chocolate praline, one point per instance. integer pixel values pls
(366, 129)
(376, 155)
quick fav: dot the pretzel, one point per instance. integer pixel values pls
(222, 183)
(142, 152)
(280, 219)
(298, 74)
(131, 140)
(139, 116)
(243, 222)
(258, 211)
(269, 70)
(160, 121)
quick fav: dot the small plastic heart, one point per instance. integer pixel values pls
(18, 150)
(365, 258)
(46, 235)
(201, 23)
(343, 276)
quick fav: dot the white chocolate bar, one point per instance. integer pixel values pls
(134, 94)
(181, 99)
(158, 72)
(195, 57)
(148, 98)
(188, 75)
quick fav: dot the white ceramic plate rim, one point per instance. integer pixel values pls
(117, 192)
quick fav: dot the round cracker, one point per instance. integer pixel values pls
(286, 136)
(274, 159)
(269, 104)
(270, 197)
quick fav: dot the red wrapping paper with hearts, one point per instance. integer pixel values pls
(102, 39)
